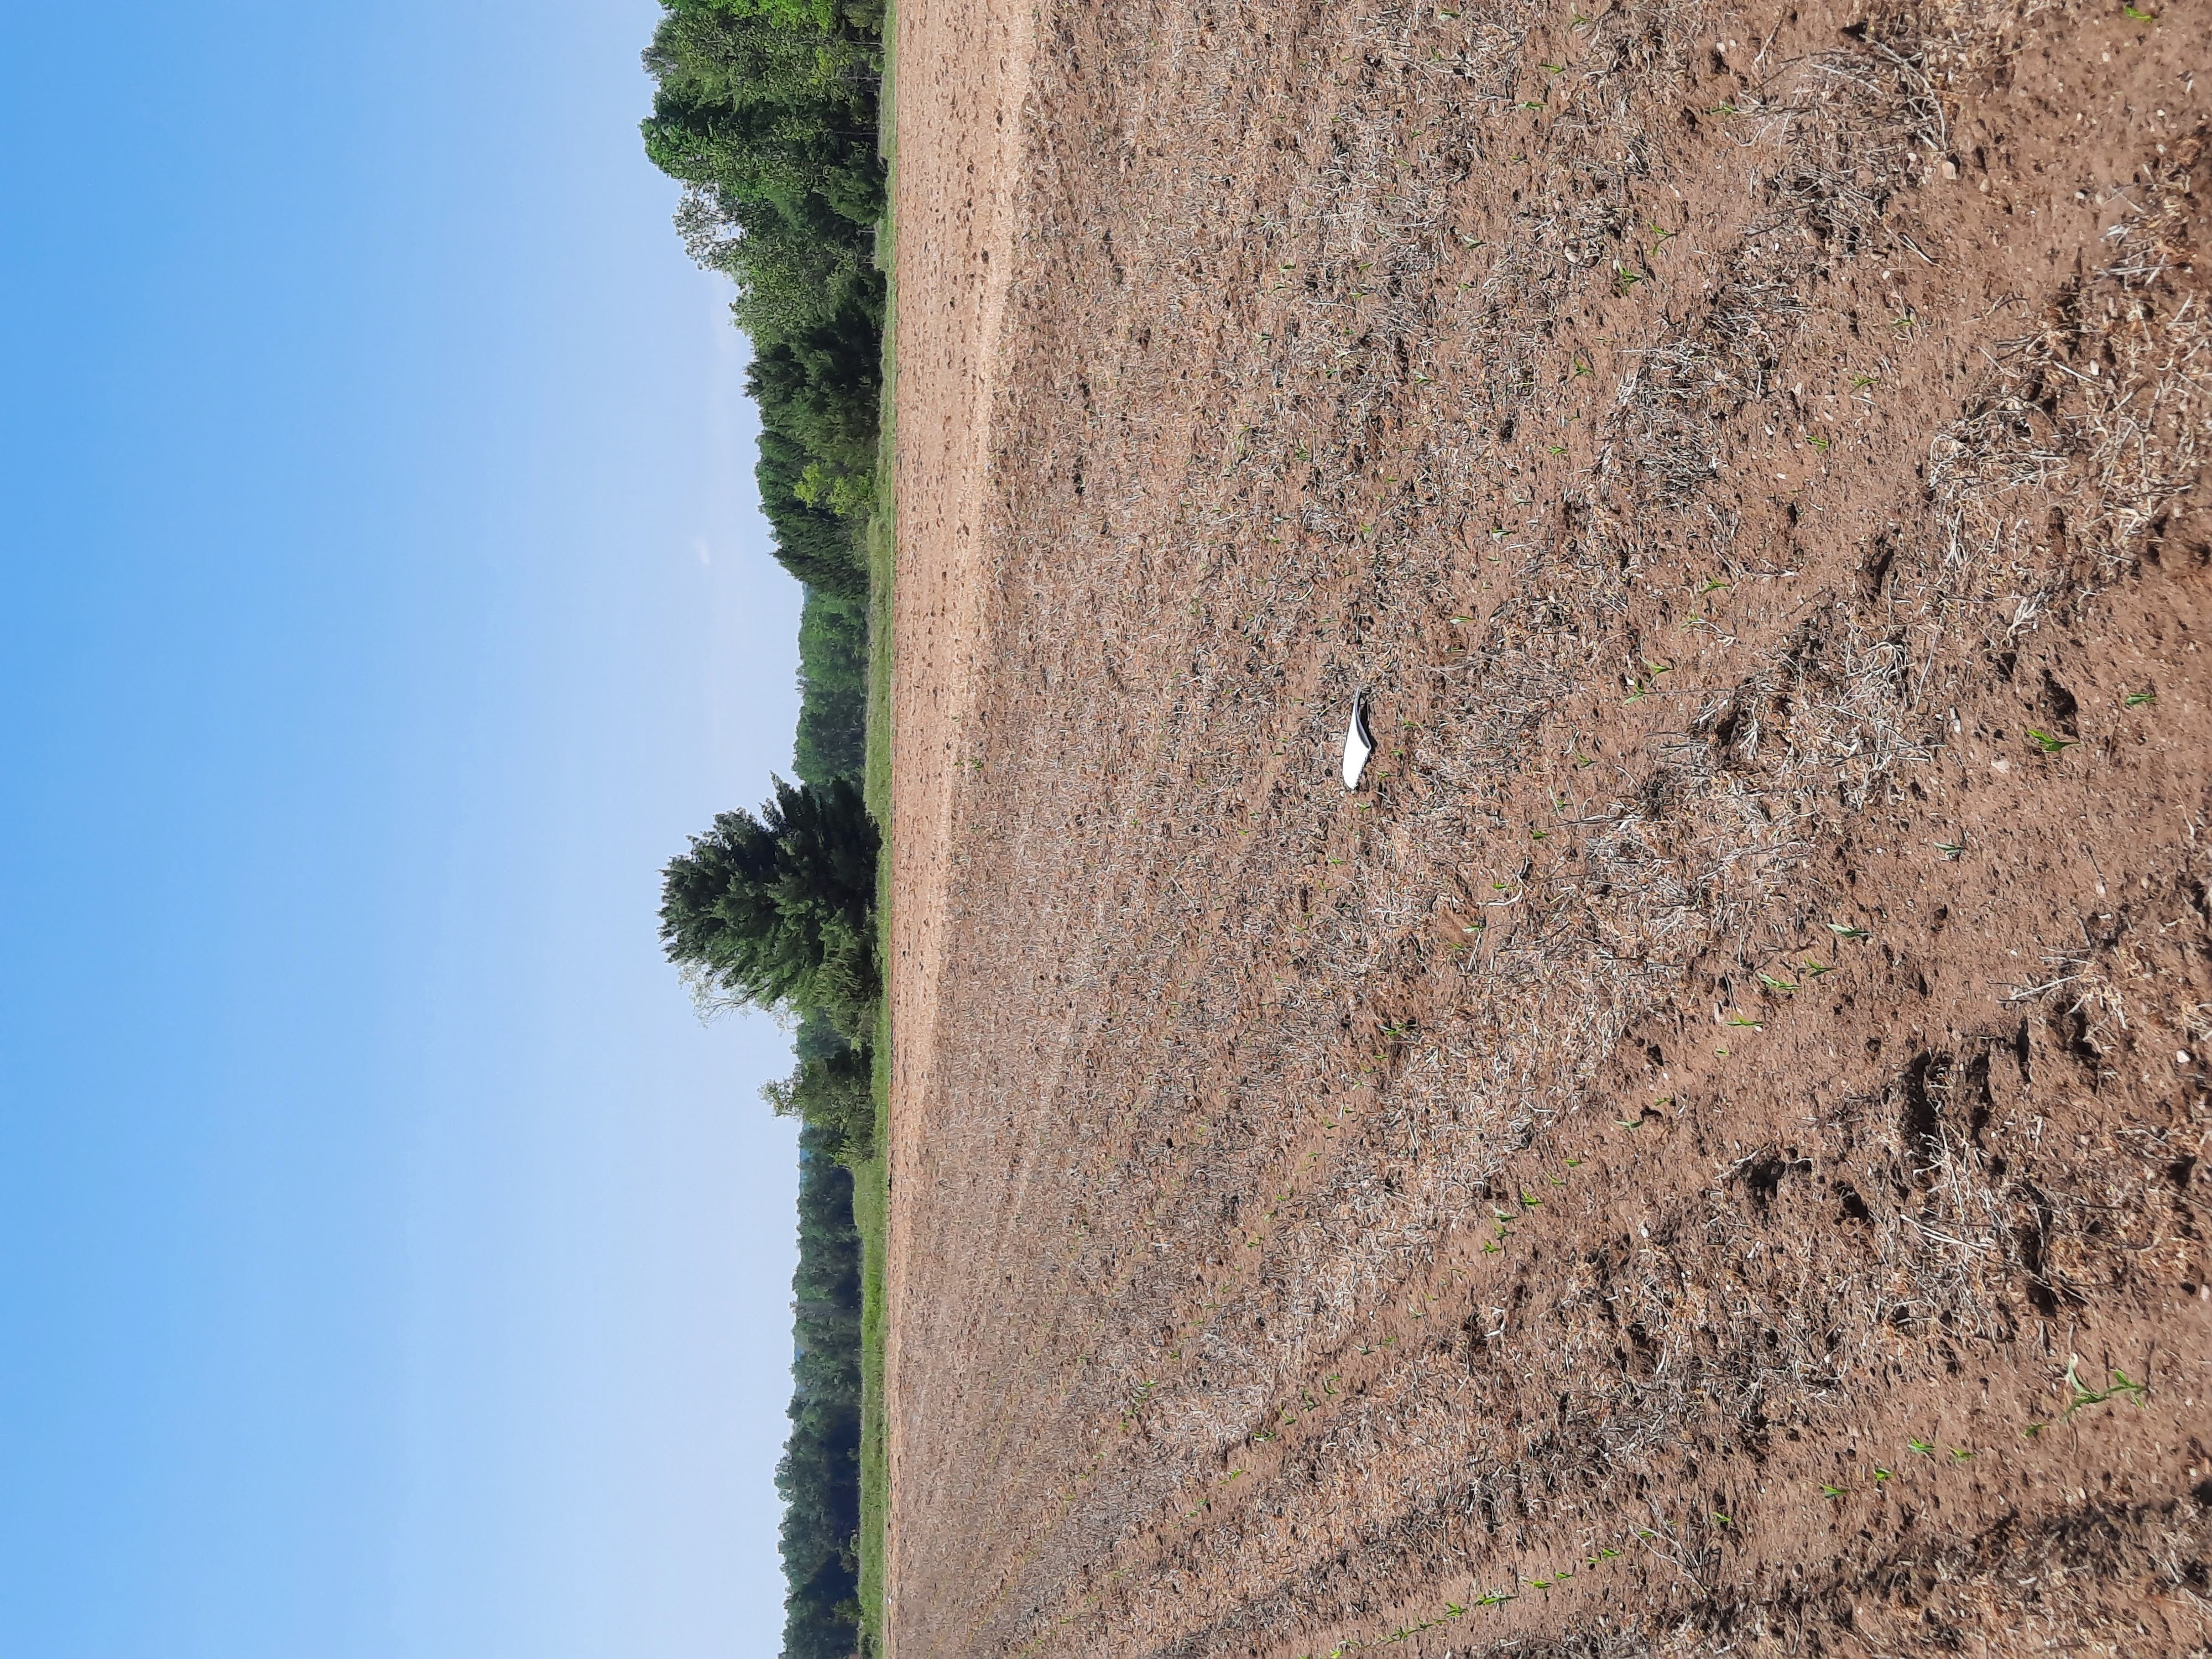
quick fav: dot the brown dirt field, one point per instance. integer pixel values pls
(963, 70)
(1656, 1151)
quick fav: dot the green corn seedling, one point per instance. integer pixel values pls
(2085, 1396)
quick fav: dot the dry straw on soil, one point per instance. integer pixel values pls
(1588, 1166)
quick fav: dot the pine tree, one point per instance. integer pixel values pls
(778, 911)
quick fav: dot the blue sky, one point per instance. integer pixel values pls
(389, 1262)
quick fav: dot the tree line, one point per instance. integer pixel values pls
(765, 112)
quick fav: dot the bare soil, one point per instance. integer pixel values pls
(1705, 1151)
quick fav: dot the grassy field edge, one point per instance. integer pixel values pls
(872, 1179)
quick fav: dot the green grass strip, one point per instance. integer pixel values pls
(872, 1179)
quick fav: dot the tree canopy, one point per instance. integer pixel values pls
(818, 1477)
(833, 1095)
(765, 111)
(778, 910)
(833, 688)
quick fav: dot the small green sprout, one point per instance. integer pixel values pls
(1847, 930)
(1815, 969)
(1951, 849)
(2033, 1429)
(1780, 987)
(1496, 1598)
(1749, 1024)
(1712, 583)
(1920, 1448)
(1862, 382)
(1834, 1492)
(1529, 1202)
(1724, 1520)
(1626, 279)
(2086, 1395)
(1628, 1122)
(2049, 745)
(1881, 1473)
(2135, 16)
(1959, 1454)
(1820, 444)
(2137, 699)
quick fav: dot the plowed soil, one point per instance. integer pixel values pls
(1704, 1151)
